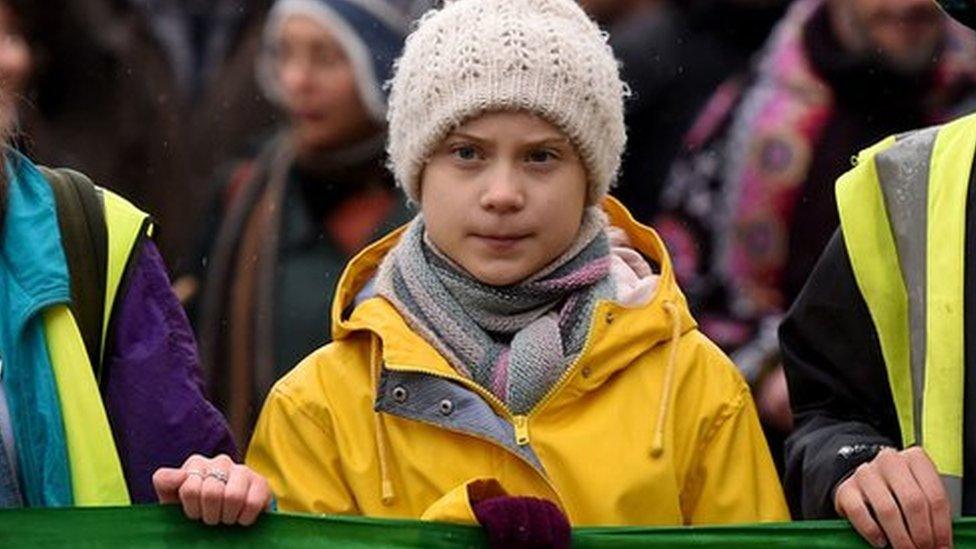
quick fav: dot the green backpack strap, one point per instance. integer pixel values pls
(84, 237)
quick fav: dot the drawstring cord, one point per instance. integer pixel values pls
(387, 494)
(657, 447)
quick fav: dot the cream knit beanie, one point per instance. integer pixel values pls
(475, 56)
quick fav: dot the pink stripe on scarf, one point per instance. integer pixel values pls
(590, 273)
(499, 380)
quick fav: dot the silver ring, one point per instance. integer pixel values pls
(218, 475)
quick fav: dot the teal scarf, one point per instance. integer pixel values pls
(33, 277)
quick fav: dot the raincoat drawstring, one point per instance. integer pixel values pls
(387, 493)
(657, 447)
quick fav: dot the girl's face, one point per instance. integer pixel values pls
(319, 87)
(503, 196)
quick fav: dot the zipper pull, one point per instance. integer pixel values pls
(521, 430)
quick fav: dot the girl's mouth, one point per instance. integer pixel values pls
(500, 242)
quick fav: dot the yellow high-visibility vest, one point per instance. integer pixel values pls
(903, 217)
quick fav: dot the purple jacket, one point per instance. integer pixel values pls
(152, 385)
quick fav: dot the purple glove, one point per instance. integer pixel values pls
(523, 522)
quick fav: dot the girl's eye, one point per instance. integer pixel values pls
(465, 152)
(541, 156)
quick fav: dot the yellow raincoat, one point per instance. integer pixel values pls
(652, 425)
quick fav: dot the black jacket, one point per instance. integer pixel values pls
(839, 385)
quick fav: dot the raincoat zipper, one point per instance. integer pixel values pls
(521, 430)
(521, 422)
(514, 419)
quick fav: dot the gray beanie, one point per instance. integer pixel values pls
(546, 57)
(371, 32)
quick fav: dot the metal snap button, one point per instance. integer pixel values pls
(586, 372)
(609, 318)
(447, 407)
(400, 394)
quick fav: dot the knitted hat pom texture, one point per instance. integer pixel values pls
(545, 57)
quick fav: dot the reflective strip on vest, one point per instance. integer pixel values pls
(903, 171)
(97, 476)
(96, 470)
(903, 211)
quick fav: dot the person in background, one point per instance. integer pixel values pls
(674, 54)
(750, 206)
(100, 382)
(289, 218)
(146, 97)
(878, 346)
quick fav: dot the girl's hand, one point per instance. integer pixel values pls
(215, 490)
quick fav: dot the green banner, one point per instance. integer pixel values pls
(154, 526)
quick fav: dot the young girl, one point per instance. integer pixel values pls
(523, 339)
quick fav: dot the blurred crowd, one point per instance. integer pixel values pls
(254, 132)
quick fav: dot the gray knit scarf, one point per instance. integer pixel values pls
(515, 341)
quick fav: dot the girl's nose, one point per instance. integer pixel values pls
(503, 192)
